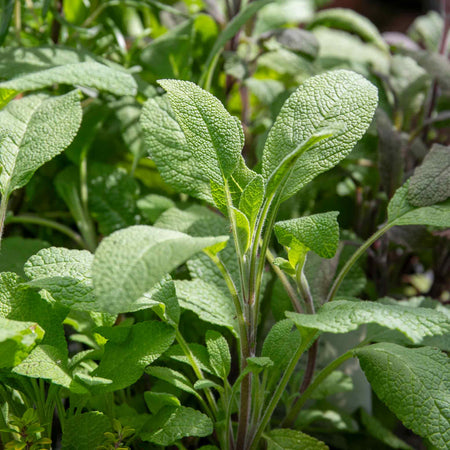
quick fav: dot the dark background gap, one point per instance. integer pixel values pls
(389, 15)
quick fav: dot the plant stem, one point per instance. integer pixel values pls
(445, 9)
(235, 296)
(354, 258)
(322, 375)
(254, 441)
(303, 287)
(286, 283)
(87, 226)
(18, 19)
(36, 220)
(3, 211)
(198, 372)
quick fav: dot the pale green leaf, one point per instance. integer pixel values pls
(168, 147)
(299, 41)
(414, 384)
(349, 20)
(219, 353)
(175, 422)
(430, 183)
(17, 339)
(283, 12)
(46, 362)
(252, 198)
(281, 173)
(340, 98)
(33, 130)
(36, 68)
(319, 233)
(213, 136)
(342, 316)
(285, 439)
(130, 350)
(401, 212)
(85, 74)
(129, 262)
(208, 302)
(16, 250)
(338, 47)
(427, 30)
(85, 431)
(65, 273)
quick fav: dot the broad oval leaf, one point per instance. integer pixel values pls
(213, 136)
(342, 316)
(340, 99)
(129, 262)
(168, 147)
(414, 384)
(33, 130)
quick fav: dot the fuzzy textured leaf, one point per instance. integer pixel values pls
(219, 353)
(342, 98)
(430, 183)
(401, 212)
(175, 422)
(342, 316)
(168, 147)
(285, 439)
(207, 301)
(252, 198)
(129, 262)
(213, 136)
(319, 233)
(126, 356)
(85, 431)
(414, 384)
(33, 130)
(65, 273)
(35, 68)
